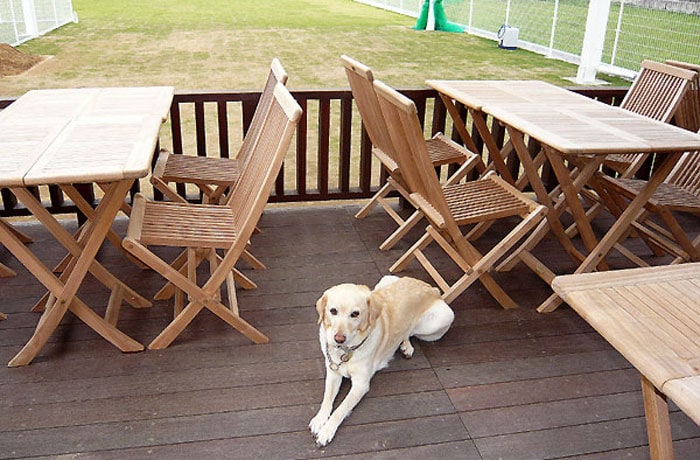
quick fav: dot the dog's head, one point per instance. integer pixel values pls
(345, 313)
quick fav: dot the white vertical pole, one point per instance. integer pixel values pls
(55, 14)
(507, 12)
(555, 17)
(13, 19)
(431, 16)
(30, 26)
(618, 30)
(593, 41)
(471, 11)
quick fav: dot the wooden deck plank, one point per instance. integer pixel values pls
(415, 435)
(501, 383)
(541, 390)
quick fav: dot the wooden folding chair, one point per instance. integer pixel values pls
(203, 228)
(450, 206)
(688, 113)
(657, 93)
(442, 151)
(679, 193)
(215, 176)
(660, 92)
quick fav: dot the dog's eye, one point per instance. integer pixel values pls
(354, 314)
(333, 311)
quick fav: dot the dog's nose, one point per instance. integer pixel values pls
(339, 338)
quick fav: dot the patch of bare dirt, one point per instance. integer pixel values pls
(15, 62)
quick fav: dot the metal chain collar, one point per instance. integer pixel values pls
(345, 357)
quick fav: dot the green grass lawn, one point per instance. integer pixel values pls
(228, 45)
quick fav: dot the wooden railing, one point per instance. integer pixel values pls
(331, 157)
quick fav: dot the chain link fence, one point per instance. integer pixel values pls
(636, 29)
(22, 20)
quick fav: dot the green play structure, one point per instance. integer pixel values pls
(441, 22)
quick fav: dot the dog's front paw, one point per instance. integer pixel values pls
(407, 349)
(326, 434)
(317, 423)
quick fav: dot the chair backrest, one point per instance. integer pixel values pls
(686, 173)
(658, 90)
(276, 75)
(361, 82)
(252, 190)
(688, 113)
(409, 145)
(657, 93)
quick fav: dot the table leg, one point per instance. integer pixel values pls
(89, 213)
(66, 293)
(623, 223)
(555, 209)
(620, 227)
(75, 247)
(495, 154)
(24, 238)
(459, 124)
(658, 423)
(571, 195)
(6, 272)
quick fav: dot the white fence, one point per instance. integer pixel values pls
(634, 29)
(22, 20)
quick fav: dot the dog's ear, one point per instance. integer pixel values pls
(321, 307)
(374, 308)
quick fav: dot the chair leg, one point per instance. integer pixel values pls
(253, 261)
(168, 290)
(6, 272)
(201, 297)
(230, 283)
(166, 337)
(679, 234)
(400, 232)
(471, 273)
(696, 244)
(163, 188)
(374, 201)
(488, 260)
(403, 261)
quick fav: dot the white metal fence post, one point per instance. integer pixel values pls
(618, 29)
(555, 16)
(13, 19)
(31, 28)
(593, 41)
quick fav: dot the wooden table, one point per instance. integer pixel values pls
(651, 316)
(569, 127)
(69, 136)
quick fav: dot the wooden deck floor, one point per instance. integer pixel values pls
(501, 384)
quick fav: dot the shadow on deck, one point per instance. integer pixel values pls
(501, 384)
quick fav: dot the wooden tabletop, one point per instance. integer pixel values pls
(650, 315)
(569, 122)
(81, 135)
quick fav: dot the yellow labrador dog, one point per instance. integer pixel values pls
(360, 331)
